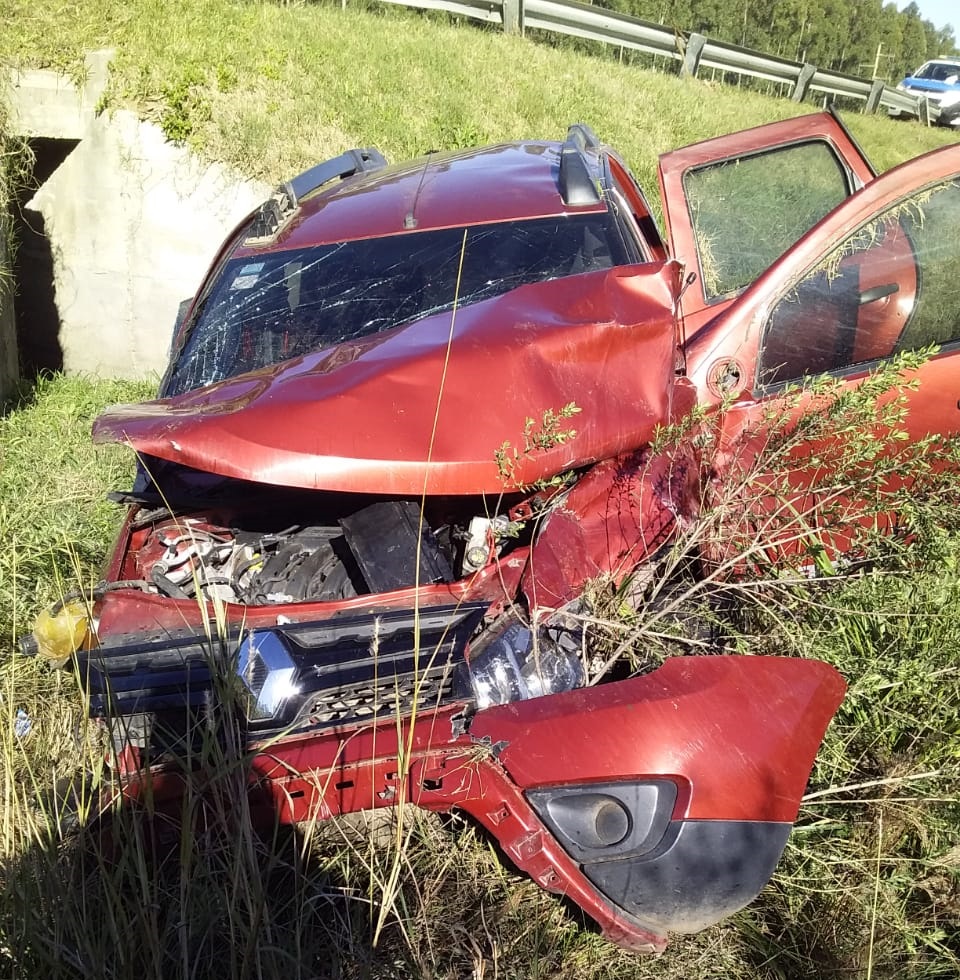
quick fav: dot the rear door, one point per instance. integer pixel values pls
(734, 204)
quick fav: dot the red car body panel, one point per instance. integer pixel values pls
(471, 187)
(753, 771)
(734, 337)
(616, 516)
(735, 334)
(605, 341)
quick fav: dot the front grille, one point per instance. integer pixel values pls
(349, 670)
(335, 708)
(375, 667)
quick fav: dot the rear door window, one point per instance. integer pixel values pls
(892, 285)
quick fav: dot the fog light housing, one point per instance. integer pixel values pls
(600, 821)
(268, 671)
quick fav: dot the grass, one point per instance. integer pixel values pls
(870, 885)
(272, 89)
(871, 871)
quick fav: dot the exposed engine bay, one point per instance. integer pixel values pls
(383, 546)
(260, 548)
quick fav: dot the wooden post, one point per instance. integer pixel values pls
(512, 16)
(873, 100)
(803, 82)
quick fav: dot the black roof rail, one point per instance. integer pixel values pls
(279, 208)
(583, 136)
(346, 165)
(578, 186)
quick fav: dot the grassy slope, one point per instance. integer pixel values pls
(271, 90)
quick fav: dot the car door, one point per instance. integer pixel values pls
(878, 277)
(732, 205)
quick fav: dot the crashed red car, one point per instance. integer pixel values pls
(408, 420)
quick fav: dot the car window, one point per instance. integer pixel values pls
(890, 286)
(939, 71)
(747, 212)
(267, 308)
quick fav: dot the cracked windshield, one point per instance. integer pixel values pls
(272, 307)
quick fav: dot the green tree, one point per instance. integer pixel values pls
(865, 33)
(914, 46)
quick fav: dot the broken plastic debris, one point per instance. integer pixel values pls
(22, 724)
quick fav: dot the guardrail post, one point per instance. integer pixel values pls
(512, 16)
(923, 110)
(873, 99)
(803, 82)
(691, 56)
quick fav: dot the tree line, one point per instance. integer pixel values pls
(869, 38)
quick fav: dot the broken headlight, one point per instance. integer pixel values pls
(516, 664)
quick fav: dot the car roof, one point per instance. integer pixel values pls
(947, 62)
(504, 182)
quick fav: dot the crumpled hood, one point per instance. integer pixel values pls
(427, 407)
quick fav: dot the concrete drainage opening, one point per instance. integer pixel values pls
(116, 228)
(38, 322)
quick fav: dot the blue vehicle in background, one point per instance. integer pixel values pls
(939, 82)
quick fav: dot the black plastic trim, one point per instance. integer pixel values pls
(394, 547)
(354, 664)
(573, 814)
(365, 160)
(279, 208)
(578, 185)
(701, 872)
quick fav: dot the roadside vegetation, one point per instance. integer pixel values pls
(870, 884)
(272, 89)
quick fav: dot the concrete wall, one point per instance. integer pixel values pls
(46, 103)
(133, 222)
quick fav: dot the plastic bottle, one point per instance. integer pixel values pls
(61, 633)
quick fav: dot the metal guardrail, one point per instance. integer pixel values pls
(693, 51)
(490, 11)
(598, 24)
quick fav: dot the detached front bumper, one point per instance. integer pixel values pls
(658, 804)
(671, 795)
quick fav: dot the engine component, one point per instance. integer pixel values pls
(382, 547)
(391, 543)
(485, 539)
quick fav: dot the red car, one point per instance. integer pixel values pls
(410, 417)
